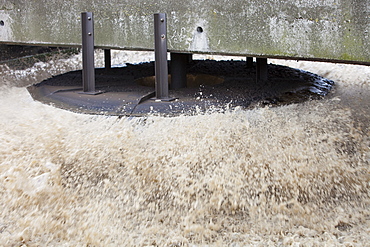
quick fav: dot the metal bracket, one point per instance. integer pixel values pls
(88, 69)
(161, 65)
(261, 73)
(107, 59)
(179, 62)
(249, 62)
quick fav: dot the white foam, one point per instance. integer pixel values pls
(292, 175)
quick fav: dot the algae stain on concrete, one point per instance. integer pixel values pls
(298, 28)
(351, 45)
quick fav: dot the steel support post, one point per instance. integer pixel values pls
(261, 69)
(160, 49)
(107, 59)
(179, 62)
(249, 62)
(88, 69)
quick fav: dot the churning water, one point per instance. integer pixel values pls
(290, 175)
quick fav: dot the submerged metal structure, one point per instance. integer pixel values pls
(330, 30)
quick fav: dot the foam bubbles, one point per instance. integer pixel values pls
(290, 175)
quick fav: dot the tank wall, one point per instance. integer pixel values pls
(307, 29)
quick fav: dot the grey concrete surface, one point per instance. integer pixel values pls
(336, 30)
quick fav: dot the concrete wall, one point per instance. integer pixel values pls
(302, 29)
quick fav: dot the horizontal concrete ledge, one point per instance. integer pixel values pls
(330, 30)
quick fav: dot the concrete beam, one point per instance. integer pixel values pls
(336, 30)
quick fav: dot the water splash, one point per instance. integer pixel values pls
(289, 175)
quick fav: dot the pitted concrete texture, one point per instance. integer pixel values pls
(336, 30)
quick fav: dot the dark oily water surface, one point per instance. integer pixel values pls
(212, 86)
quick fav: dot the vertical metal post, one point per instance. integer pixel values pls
(107, 59)
(190, 58)
(261, 69)
(179, 62)
(88, 69)
(160, 49)
(249, 62)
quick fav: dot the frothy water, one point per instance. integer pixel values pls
(290, 175)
